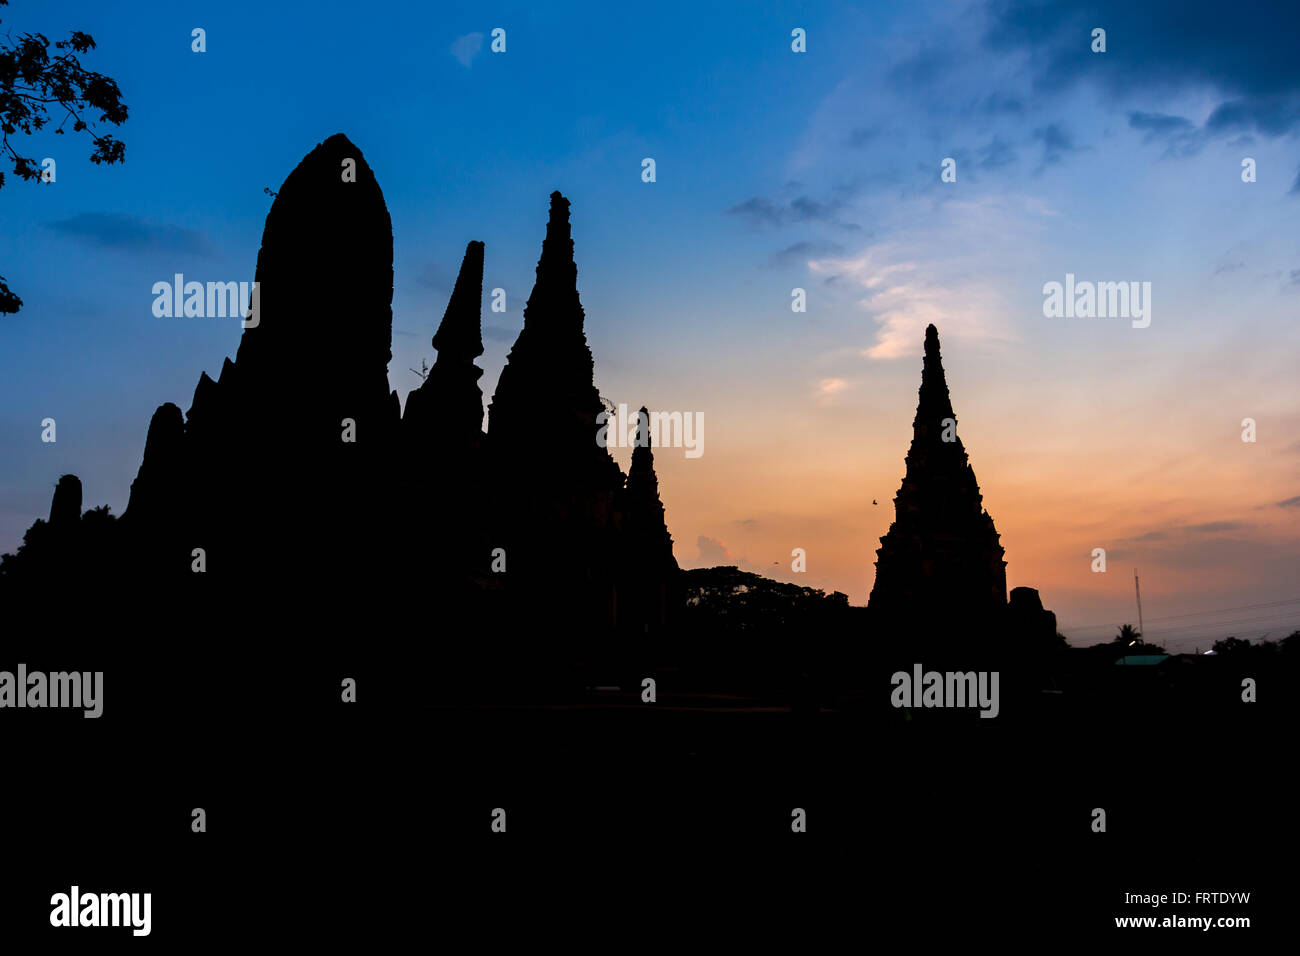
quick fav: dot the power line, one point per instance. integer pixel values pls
(1191, 614)
(1220, 625)
(1244, 607)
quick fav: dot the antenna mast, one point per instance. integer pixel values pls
(1137, 587)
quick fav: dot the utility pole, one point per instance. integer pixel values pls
(1138, 588)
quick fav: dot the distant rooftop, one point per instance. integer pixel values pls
(1141, 660)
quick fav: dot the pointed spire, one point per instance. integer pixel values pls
(942, 551)
(460, 336)
(449, 404)
(934, 404)
(647, 528)
(642, 469)
(554, 298)
(550, 364)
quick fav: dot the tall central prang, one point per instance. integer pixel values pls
(941, 556)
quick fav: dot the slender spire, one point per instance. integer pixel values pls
(449, 404)
(460, 336)
(642, 469)
(554, 298)
(942, 551)
(650, 544)
(550, 364)
(934, 404)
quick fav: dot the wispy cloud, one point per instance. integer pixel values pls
(132, 234)
(1057, 143)
(805, 251)
(759, 212)
(828, 388)
(862, 136)
(1215, 527)
(948, 272)
(1178, 133)
(715, 553)
(434, 276)
(466, 47)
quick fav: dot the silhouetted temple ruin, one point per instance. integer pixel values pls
(941, 558)
(291, 486)
(295, 485)
(443, 468)
(562, 507)
(647, 563)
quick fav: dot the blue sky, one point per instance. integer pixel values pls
(775, 170)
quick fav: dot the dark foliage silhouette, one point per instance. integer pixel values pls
(30, 80)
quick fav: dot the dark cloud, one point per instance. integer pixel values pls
(436, 277)
(1178, 133)
(1274, 116)
(1182, 533)
(998, 103)
(132, 234)
(759, 212)
(762, 212)
(1229, 267)
(922, 69)
(808, 249)
(1290, 502)
(497, 333)
(1214, 527)
(861, 137)
(1245, 56)
(1056, 143)
(996, 154)
(806, 209)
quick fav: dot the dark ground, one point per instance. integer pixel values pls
(371, 820)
